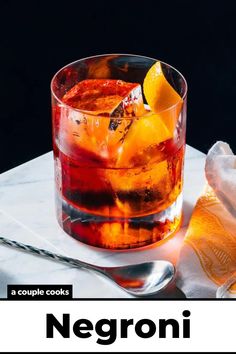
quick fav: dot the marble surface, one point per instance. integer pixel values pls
(27, 214)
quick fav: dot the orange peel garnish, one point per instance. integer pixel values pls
(162, 97)
(144, 133)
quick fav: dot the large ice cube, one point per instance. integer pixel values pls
(114, 102)
(114, 98)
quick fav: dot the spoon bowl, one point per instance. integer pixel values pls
(142, 279)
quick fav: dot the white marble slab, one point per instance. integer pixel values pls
(27, 214)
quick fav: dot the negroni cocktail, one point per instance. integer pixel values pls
(119, 140)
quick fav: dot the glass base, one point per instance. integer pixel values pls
(115, 232)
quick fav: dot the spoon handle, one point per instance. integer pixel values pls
(48, 254)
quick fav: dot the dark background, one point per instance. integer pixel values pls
(39, 37)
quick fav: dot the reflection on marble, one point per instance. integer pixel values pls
(27, 214)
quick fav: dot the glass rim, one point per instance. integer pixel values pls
(89, 113)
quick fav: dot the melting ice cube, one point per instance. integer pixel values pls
(103, 98)
(114, 98)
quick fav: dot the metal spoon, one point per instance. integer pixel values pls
(141, 279)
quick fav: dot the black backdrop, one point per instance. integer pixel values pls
(39, 37)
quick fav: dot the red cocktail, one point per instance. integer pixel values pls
(119, 161)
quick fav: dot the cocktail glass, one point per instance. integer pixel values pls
(118, 172)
